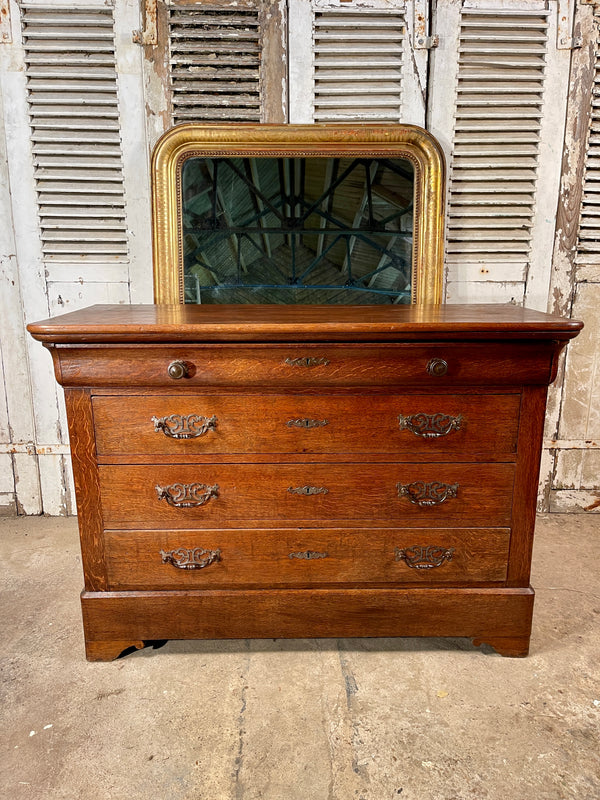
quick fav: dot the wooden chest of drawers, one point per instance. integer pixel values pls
(276, 471)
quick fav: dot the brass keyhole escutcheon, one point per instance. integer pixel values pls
(437, 367)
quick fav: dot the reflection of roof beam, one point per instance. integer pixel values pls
(298, 187)
(395, 199)
(331, 171)
(364, 203)
(381, 266)
(201, 274)
(284, 191)
(382, 261)
(234, 242)
(259, 206)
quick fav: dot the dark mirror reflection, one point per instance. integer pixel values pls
(297, 230)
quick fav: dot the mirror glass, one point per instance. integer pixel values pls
(297, 230)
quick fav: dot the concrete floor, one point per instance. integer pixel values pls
(370, 719)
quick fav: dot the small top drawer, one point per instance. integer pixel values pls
(430, 366)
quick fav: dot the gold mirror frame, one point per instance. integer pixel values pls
(281, 141)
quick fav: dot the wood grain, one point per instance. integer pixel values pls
(252, 494)
(531, 434)
(278, 558)
(354, 424)
(222, 323)
(347, 366)
(87, 486)
(108, 649)
(293, 613)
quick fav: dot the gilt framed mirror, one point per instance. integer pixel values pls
(297, 214)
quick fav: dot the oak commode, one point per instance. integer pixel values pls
(299, 471)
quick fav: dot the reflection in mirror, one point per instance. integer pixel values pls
(297, 230)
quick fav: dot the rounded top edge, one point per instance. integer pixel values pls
(293, 136)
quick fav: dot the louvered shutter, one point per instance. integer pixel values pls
(503, 134)
(79, 191)
(351, 61)
(74, 117)
(588, 245)
(217, 62)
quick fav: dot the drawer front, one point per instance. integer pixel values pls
(182, 425)
(288, 557)
(428, 366)
(226, 495)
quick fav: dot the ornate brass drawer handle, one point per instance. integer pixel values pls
(307, 490)
(424, 557)
(307, 423)
(308, 555)
(430, 426)
(184, 426)
(427, 494)
(194, 558)
(187, 495)
(307, 361)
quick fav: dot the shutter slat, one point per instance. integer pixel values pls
(74, 117)
(192, 75)
(200, 100)
(74, 200)
(217, 46)
(195, 34)
(51, 60)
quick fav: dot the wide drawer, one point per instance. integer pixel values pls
(428, 366)
(182, 425)
(291, 557)
(227, 495)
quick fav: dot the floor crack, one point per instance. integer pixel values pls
(239, 759)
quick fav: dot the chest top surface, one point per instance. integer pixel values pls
(279, 323)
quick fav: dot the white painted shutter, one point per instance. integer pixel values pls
(355, 61)
(503, 132)
(588, 246)
(77, 167)
(74, 118)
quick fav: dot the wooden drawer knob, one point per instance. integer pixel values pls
(177, 370)
(437, 367)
